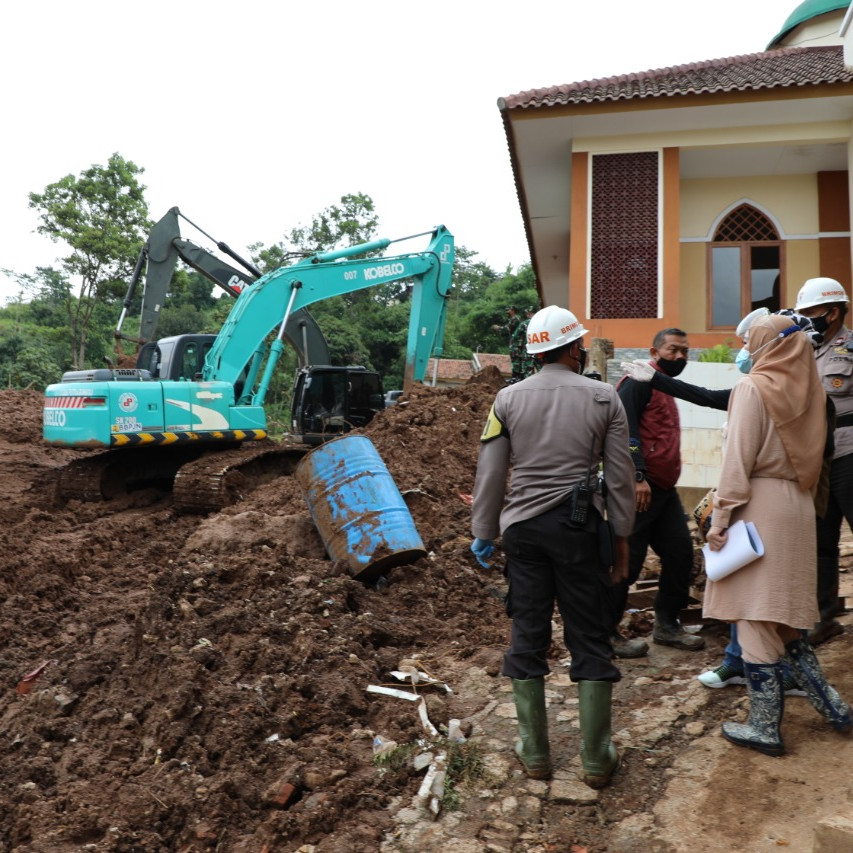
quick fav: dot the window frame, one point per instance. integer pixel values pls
(745, 277)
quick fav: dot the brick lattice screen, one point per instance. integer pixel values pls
(745, 224)
(624, 252)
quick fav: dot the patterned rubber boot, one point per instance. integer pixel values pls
(533, 751)
(766, 704)
(599, 757)
(806, 671)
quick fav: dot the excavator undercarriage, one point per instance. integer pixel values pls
(200, 479)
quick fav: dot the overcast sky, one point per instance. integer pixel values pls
(251, 117)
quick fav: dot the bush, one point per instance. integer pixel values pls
(720, 354)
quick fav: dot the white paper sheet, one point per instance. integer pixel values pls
(743, 546)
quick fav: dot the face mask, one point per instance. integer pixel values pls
(744, 360)
(672, 367)
(821, 324)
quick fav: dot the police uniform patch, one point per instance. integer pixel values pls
(493, 428)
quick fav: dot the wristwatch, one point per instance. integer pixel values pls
(639, 476)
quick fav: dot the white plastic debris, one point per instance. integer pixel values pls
(432, 787)
(417, 676)
(454, 732)
(392, 691)
(428, 726)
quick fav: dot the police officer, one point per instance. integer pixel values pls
(557, 427)
(825, 302)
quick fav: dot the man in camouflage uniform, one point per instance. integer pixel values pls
(517, 342)
(529, 364)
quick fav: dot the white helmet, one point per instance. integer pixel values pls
(820, 291)
(552, 327)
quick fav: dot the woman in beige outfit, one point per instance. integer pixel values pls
(774, 451)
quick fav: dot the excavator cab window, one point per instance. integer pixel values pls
(189, 360)
(365, 397)
(328, 401)
(149, 359)
(324, 409)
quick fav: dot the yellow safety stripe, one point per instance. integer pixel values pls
(139, 439)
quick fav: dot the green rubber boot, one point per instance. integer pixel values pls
(533, 751)
(599, 757)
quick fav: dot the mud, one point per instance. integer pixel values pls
(177, 682)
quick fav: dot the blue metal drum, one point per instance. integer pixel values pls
(357, 507)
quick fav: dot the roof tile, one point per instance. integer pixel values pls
(773, 69)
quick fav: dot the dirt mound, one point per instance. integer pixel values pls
(185, 683)
(196, 668)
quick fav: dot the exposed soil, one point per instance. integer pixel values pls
(203, 681)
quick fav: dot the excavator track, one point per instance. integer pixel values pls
(219, 479)
(110, 473)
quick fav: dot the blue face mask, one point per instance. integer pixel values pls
(743, 360)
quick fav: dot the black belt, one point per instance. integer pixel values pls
(844, 421)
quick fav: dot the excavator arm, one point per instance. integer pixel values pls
(159, 257)
(272, 301)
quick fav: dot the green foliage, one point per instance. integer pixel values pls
(465, 768)
(183, 319)
(397, 758)
(191, 288)
(350, 223)
(721, 353)
(100, 216)
(470, 320)
(75, 327)
(464, 763)
(342, 332)
(30, 355)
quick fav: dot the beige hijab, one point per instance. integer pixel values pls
(785, 375)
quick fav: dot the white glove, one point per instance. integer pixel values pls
(639, 370)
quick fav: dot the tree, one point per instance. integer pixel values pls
(348, 224)
(101, 215)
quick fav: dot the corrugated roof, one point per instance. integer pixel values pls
(772, 69)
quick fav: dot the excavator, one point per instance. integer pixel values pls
(190, 395)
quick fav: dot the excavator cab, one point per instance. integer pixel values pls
(329, 401)
(179, 358)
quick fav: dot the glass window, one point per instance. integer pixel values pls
(746, 265)
(725, 261)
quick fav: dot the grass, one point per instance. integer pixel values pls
(465, 765)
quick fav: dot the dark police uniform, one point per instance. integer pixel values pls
(551, 428)
(834, 361)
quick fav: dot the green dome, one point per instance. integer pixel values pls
(805, 12)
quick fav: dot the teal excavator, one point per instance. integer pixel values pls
(191, 414)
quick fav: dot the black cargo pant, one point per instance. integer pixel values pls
(840, 507)
(549, 560)
(663, 527)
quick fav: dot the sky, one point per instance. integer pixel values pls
(253, 117)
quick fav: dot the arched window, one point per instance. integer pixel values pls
(746, 265)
